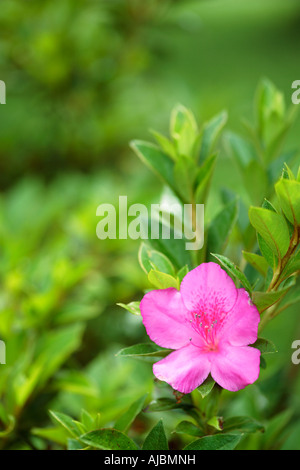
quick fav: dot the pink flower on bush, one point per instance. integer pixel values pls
(210, 324)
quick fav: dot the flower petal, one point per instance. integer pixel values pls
(208, 287)
(235, 367)
(184, 369)
(240, 328)
(165, 318)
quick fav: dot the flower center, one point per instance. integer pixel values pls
(206, 324)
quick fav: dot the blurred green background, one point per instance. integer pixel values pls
(83, 78)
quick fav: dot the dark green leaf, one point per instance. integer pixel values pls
(108, 439)
(156, 439)
(216, 442)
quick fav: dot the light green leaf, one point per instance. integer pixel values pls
(162, 280)
(132, 307)
(152, 259)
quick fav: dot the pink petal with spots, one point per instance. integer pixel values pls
(235, 367)
(184, 369)
(165, 318)
(242, 322)
(208, 288)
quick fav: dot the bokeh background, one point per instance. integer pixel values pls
(83, 78)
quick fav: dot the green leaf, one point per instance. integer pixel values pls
(216, 442)
(174, 249)
(275, 428)
(234, 270)
(216, 422)
(186, 427)
(242, 424)
(156, 439)
(256, 172)
(291, 298)
(267, 253)
(144, 349)
(221, 227)
(288, 193)
(152, 259)
(182, 273)
(211, 132)
(184, 130)
(108, 439)
(240, 149)
(166, 145)
(66, 421)
(162, 280)
(292, 266)
(264, 300)
(156, 160)
(184, 175)
(132, 307)
(73, 444)
(258, 262)
(165, 404)
(272, 227)
(203, 179)
(125, 421)
(265, 346)
(206, 387)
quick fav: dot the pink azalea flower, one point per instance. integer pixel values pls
(210, 324)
